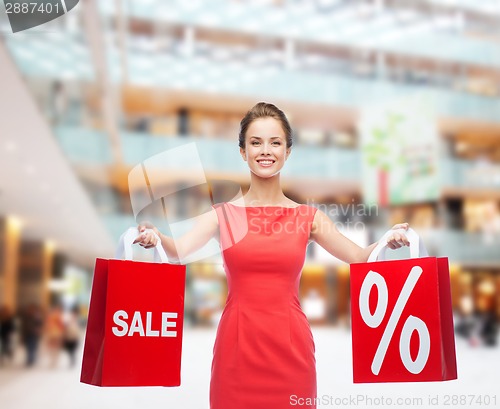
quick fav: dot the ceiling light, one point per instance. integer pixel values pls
(486, 287)
(14, 222)
(50, 245)
(59, 285)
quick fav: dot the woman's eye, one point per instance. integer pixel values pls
(277, 143)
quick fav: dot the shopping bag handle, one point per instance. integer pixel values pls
(124, 250)
(417, 248)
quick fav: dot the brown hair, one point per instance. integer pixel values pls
(265, 110)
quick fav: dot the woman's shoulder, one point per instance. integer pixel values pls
(308, 209)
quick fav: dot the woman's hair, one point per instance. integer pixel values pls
(265, 110)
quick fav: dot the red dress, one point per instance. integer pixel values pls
(263, 357)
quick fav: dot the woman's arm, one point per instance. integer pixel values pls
(205, 228)
(325, 233)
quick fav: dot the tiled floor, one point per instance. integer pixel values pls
(59, 388)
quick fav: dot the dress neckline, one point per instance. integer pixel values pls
(260, 207)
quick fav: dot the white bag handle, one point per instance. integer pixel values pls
(124, 249)
(417, 248)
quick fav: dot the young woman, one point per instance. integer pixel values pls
(264, 349)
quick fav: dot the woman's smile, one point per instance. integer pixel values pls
(265, 163)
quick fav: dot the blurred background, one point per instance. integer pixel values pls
(394, 106)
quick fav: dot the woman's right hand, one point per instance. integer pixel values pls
(148, 235)
(206, 227)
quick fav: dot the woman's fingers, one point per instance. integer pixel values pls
(146, 239)
(397, 240)
(149, 240)
(140, 238)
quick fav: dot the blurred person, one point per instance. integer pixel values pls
(59, 102)
(264, 350)
(486, 327)
(489, 329)
(31, 331)
(54, 333)
(72, 334)
(467, 322)
(7, 328)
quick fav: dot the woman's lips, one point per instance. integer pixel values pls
(265, 163)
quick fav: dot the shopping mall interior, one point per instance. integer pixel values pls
(89, 96)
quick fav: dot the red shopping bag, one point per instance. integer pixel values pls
(135, 322)
(401, 314)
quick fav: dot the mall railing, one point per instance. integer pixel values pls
(469, 248)
(92, 147)
(40, 59)
(233, 77)
(471, 174)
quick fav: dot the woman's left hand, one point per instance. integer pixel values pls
(398, 238)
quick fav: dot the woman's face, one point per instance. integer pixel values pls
(265, 147)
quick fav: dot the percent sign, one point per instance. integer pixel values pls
(411, 324)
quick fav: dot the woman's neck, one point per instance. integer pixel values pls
(265, 191)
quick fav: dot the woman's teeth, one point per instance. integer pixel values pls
(265, 162)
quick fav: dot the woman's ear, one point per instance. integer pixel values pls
(243, 154)
(288, 151)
